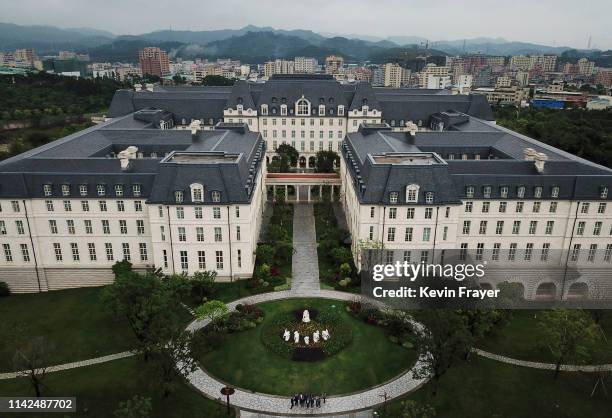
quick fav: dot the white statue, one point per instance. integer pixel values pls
(315, 337)
(296, 337)
(325, 334)
(307, 340)
(286, 335)
(306, 316)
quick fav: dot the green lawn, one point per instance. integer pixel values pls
(369, 360)
(486, 388)
(75, 321)
(521, 338)
(100, 388)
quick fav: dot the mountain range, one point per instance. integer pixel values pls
(252, 44)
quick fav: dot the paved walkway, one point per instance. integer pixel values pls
(305, 264)
(544, 366)
(278, 405)
(360, 414)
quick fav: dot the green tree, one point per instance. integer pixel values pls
(288, 157)
(325, 161)
(414, 409)
(444, 342)
(569, 334)
(265, 254)
(217, 80)
(135, 407)
(203, 284)
(121, 267)
(172, 360)
(32, 359)
(213, 310)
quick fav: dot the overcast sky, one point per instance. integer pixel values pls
(559, 22)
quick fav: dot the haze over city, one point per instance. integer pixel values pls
(558, 23)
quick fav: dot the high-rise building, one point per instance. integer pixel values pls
(305, 65)
(154, 61)
(520, 62)
(278, 67)
(334, 64)
(395, 75)
(585, 67)
(25, 56)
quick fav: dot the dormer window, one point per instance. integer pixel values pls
(264, 109)
(554, 192)
(429, 198)
(603, 192)
(302, 107)
(197, 193)
(178, 196)
(101, 190)
(321, 110)
(216, 196)
(503, 192)
(469, 192)
(393, 197)
(118, 190)
(537, 192)
(284, 110)
(65, 190)
(47, 190)
(136, 190)
(412, 193)
(520, 192)
(340, 110)
(83, 190)
(486, 192)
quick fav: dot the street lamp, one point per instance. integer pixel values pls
(227, 391)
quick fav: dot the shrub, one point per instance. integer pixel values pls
(203, 284)
(265, 254)
(345, 269)
(4, 289)
(121, 267)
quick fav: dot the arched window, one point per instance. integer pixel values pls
(197, 193)
(302, 107)
(412, 193)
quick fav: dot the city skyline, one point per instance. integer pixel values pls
(527, 22)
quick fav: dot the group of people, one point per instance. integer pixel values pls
(307, 400)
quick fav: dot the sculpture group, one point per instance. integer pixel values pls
(306, 338)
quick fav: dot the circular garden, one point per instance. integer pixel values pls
(362, 347)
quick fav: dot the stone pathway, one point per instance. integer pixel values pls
(544, 366)
(305, 264)
(279, 405)
(74, 365)
(360, 414)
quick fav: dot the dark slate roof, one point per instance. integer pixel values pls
(501, 165)
(416, 108)
(364, 91)
(85, 158)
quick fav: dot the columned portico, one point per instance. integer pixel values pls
(303, 187)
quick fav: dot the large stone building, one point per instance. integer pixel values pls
(176, 179)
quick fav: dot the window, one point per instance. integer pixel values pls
(197, 193)
(512, 252)
(119, 190)
(407, 256)
(389, 256)
(469, 192)
(447, 212)
(144, 256)
(549, 227)
(120, 206)
(216, 212)
(545, 251)
(429, 197)
(137, 206)
(218, 236)
(52, 226)
(184, 260)
(371, 233)
(412, 193)
(105, 226)
(554, 192)
(393, 197)
(503, 192)
(57, 249)
(49, 204)
(482, 228)
(428, 213)
(25, 253)
(136, 190)
(463, 251)
(19, 226)
(603, 192)
(15, 206)
(219, 259)
(302, 107)
(88, 226)
(165, 254)
(591, 254)
(580, 228)
(410, 213)
(532, 227)
(216, 196)
(597, 228)
(140, 228)
(65, 190)
(126, 251)
(528, 251)
(608, 253)
(372, 211)
(426, 233)
(601, 208)
(200, 234)
(178, 196)
(575, 252)
(519, 207)
(516, 227)
(162, 232)
(67, 206)
(8, 255)
(537, 192)
(553, 207)
(201, 260)
(424, 256)
(536, 207)
(486, 192)
(182, 235)
(520, 192)
(237, 211)
(47, 190)
(502, 207)
(479, 251)
(468, 207)
(109, 251)
(70, 226)
(101, 190)
(584, 208)
(237, 233)
(408, 234)
(466, 227)
(499, 228)
(85, 205)
(74, 248)
(102, 204)
(485, 207)
(391, 234)
(91, 247)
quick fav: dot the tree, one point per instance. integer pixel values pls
(444, 342)
(135, 407)
(213, 310)
(325, 161)
(217, 80)
(203, 284)
(265, 254)
(121, 267)
(288, 157)
(569, 334)
(171, 360)
(32, 360)
(414, 409)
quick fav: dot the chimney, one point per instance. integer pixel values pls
(529, 154)
(540, 159)
(125, 156)
(149, 86)
(137, 87)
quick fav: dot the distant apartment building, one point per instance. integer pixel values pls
(334, 64)
(25, 56)
(279, 67)
(520, 62)
(305, 65)
(503, 82)
(604, 77)
(154, 61)
(464, 83)
(586, 67)
(394, 75)
(509, 95)
(496, 61)
(433, 74)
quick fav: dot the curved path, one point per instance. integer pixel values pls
(544, 366)
(277, 405)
